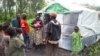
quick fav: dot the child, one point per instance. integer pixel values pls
(6, 37)
(77, 42)
(15, 44)
(2, 48)
(19, 33)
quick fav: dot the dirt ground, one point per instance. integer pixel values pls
(41, 52)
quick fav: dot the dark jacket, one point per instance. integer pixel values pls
(53, 31)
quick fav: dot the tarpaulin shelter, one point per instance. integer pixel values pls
(70, 15)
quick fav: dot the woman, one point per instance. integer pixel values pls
(37, 25)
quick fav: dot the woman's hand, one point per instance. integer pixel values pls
(45, 41)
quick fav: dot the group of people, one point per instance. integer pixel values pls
(11, 42)
(15, 39)
(47, 32)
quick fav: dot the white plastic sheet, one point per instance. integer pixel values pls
(69, 21)
(88, 23)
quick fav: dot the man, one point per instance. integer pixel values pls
(16, 22)
(25, 29)
(53, 35)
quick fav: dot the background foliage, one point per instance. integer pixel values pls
(9, 8)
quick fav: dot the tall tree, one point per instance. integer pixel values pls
(29, 6)
(37, 5)
(8, 6)
(21, 5)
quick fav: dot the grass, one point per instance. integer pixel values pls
(93, 50)
(29, 23)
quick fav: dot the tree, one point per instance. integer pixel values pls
(10, 7)
(21, 6)
(37, 5)
(29, 6)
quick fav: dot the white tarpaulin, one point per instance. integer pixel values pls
(87, 20)
(69, 21)
(88, 23)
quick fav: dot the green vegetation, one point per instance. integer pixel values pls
(29, 22)
(9, 8)
(93, 50)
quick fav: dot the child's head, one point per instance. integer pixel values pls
(76, 29)
(11, 32)
(5, 26)
(0, 28)
(18, 30)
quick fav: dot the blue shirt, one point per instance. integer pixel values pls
(16, 23)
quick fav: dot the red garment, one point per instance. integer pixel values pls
(53, 14)
(25, 26)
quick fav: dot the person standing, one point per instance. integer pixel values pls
(53, 35)
(76, 41)
(45, 21)
(6, 37)
(2, 46)
(16, 22)
(37, 25)
(25, 30)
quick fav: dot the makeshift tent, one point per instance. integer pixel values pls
(70, 15)
(57, 8)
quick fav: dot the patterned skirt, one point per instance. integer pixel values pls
(37, 38)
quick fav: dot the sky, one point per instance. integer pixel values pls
(90, 2)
